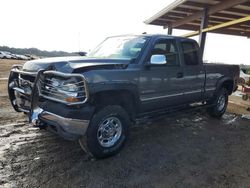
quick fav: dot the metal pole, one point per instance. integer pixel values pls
(170, 29)
(204, 24)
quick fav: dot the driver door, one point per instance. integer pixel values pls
(162, 85)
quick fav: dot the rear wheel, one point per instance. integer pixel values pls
(245, 97)
(219, 103)
(107, 132)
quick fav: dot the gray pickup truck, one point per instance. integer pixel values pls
(94, 99)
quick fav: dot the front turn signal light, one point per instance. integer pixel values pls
(72, 99)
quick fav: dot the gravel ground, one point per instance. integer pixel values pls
(187, 150)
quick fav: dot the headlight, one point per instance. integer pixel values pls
(70, 87)
(64, 85)
(69, 90)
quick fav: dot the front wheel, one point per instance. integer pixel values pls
(219, 103)
(107, 132)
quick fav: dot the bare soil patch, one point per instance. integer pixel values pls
(238, 106)
(5, 66)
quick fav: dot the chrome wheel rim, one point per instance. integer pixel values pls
(221, 102)
(109, 131)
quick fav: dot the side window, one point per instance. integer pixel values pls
(191, 53)
(168, 48)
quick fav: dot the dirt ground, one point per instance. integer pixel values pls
(5, 66)
(185, 150)
(238, 106)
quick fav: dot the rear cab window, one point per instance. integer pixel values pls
(190, 53)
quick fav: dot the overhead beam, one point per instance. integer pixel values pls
(219, 26)
(213, 9)
(226, 24)
(191, 34)
(209, 4)
(226, 31)
(220, 31)
(163, 11)
(212, 18)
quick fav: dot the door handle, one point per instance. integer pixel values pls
(179, 75)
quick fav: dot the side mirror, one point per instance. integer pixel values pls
(158, 60)
(82, 53)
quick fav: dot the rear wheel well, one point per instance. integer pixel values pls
(228, 85)
(123, 98)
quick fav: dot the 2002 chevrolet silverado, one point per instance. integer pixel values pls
(96, 98)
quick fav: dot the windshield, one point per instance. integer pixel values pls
(122, 47)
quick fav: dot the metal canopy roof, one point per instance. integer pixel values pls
(224, 16)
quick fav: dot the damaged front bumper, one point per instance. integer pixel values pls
(68, 128)
(67, 121)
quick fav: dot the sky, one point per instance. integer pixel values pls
(80, 25)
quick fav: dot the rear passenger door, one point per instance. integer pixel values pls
(194, 73)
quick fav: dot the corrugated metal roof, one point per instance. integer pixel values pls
(186, 14)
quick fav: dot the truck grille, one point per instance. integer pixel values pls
(26, 82)
(58, 87)
(29, 78)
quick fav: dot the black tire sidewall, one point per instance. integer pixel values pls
(245, 97)
(214, 111)
(93, 145)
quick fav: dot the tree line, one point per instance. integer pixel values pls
(36, 52)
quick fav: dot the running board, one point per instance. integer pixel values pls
(160, 114)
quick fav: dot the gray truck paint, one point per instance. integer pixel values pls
(152, 86)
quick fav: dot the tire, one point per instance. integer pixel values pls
(241, 81)
(107, 132)
(245, 97)
(219, 103)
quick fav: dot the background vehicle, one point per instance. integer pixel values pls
(96, 98)
(31, 57)
(22, 57)
(5, 55)
(8, 55)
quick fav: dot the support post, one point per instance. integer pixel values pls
(170, 29)
(203, 35)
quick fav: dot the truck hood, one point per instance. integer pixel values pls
(74, 64)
